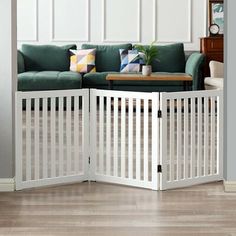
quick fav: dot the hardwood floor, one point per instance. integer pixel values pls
(103, 209)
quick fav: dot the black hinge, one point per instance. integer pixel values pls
(159, 114)
(89, 160)
(159, 169)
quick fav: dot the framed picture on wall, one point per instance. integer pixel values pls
(216, 14)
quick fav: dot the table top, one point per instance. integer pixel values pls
(157, 77)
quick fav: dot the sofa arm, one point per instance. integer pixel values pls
(20, 62)
(194, 68)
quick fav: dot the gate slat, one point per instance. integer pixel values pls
(130, 143)
(85, 135)
(199, 168)
(138, 137)
(53, 137)
(76, 135)
(19, 141)
(179, 138)
(108, 137)
(36, 138)
(155, 141)
(193, 133)
(123, 136)
(220, 134)
(68, 135)
(145, 140)
(101, 134)
(186, 137)
(172, 146)
(28, 139)
(115, 164)
(206, 135)
(213, 136)
(45, 138)
(61, 134)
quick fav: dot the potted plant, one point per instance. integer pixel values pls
(148, 54)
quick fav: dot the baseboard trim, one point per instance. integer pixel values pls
(230, 186)
(7, 184)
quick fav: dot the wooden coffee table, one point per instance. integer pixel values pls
(186, 79)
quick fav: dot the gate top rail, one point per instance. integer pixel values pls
(51, 94)
(127, 94)
(192, 94)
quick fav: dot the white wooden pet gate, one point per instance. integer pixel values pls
(149, 140)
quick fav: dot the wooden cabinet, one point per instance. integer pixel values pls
(213, 48)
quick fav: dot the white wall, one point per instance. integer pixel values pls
(7, 86)
(112, 21)
(230, 96)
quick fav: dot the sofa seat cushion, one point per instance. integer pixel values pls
(47, 57)
(99, 80)
(107, 56)
(215, 83)
(48, 80)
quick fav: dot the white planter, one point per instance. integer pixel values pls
(147, 70)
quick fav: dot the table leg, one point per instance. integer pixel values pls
(187, 85)
(110, 84)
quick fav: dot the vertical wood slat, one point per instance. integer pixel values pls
(206, 135)
(76, 143)
(93, 135)
(179, 138)
(186, 137)
(172, 152)
(108, 137)
(53, 136)
(68, 135)
(45, 138)
(193, 133)
(19, 143)
(199, 169)
(85, 133)
(115, 138)
(80, 130)
(28, 139)
(220, 124)
(163, 139)
(123, 136)
(130, 137)
(36, 139)
(60, 134)
(138, 139)
(145, 140)
(101, 134)
(213, 136)
(155, 141)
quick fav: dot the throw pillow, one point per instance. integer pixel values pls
(83, 61)
(130, 61)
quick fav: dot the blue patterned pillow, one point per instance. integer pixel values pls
(130, 61)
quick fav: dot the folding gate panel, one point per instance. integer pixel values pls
(191, 138)
(124, 126)
(52, 138)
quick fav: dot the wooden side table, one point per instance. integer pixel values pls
(186, 79)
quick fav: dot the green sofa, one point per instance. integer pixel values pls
(47, 68)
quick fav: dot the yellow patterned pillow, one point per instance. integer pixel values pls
(83, 61)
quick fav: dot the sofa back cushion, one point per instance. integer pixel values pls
(171, 59)
(47, 57)
(107, 56)
(20, 62)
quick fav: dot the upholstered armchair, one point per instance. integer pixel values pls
(215, 81)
